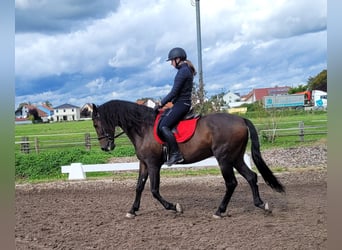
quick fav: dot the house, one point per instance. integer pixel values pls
(86, 111)
(150, 103)
(258, 94)
(231, 99)
(23, 113)
(147, 102)
(47, 110)
(66, 112)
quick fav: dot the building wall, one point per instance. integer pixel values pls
(231, 97)
(67, 114)
(150, 103)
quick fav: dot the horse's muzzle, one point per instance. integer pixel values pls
(109, 147)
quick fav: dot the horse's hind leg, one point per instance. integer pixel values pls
(252, 180)
(231, 183)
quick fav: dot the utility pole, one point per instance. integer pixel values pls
(199, 53)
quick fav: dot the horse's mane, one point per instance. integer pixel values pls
(127, 115)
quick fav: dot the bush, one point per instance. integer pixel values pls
(48, 164)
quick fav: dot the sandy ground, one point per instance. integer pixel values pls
(91, 215)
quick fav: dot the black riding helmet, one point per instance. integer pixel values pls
(177, 53)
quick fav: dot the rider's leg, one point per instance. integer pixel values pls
(169, 121)
(175, 156)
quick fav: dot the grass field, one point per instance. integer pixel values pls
(282, 128)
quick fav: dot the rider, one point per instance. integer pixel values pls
(180, 96)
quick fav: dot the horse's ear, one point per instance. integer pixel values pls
(94, 110)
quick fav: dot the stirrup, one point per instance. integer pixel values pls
(174, 159)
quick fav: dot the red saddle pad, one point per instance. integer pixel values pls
(184, 130)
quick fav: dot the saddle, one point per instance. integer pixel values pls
(183, 131)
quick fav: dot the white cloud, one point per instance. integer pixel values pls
(121, 51)
(95, 85)
(24, 4)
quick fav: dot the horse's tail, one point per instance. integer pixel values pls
(264, 170)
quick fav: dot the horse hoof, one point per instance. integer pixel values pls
(266, 207)
(215, 216)
(130, 216)
(179, 208)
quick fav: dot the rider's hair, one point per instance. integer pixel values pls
(192, 67)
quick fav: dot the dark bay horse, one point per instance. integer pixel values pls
(221, 135)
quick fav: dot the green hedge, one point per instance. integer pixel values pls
(47, 165)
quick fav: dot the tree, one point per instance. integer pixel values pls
(196, 101)
(217, 102)
(34, 116)
(318, 82)
(47, 103)
(299, 88)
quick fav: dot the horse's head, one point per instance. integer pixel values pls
(105, 135)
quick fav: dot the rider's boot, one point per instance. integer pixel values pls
(175, 156)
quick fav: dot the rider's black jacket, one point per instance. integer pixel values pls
(182, 87)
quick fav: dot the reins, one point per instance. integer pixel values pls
(121, 133)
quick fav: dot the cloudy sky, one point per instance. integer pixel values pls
(80, 51)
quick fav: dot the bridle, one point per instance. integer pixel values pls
(106, 135)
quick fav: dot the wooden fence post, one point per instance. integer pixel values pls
(301, 131)
(87, 141)
(36, 144)
(25, 145)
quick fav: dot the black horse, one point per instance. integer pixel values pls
(221, 135)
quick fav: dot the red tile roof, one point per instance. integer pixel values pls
(258, 94)
(47, 107)
(41, 113)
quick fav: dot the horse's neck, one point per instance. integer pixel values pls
(138, 132)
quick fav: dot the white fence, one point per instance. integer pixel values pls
(77, 171)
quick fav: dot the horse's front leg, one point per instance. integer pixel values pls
(155, 183)
(142, 178)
